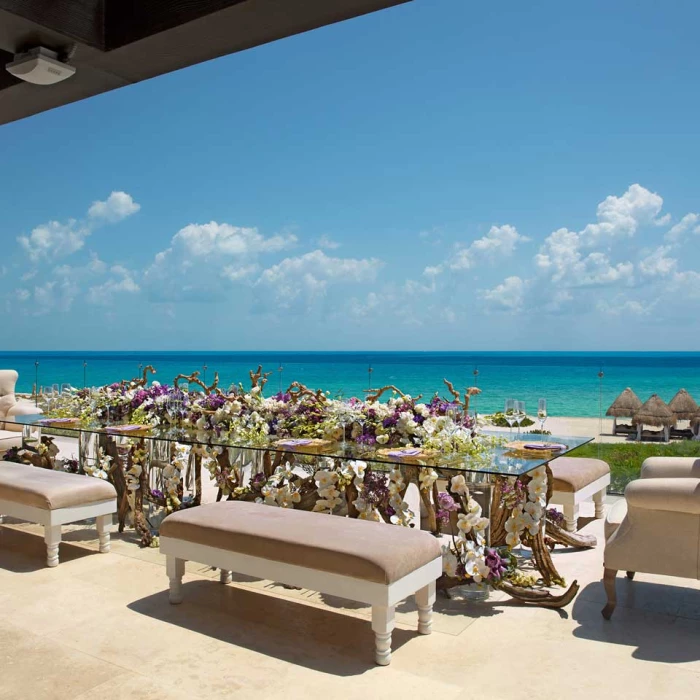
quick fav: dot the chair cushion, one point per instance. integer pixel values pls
(574, 473)
(359, 549)
(6, 403)
(50, 490)
(9, 438)
(615, 516)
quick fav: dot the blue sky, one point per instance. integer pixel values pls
(441, 175)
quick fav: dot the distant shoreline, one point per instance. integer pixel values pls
(568, 380)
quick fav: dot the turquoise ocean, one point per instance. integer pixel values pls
(569, 381)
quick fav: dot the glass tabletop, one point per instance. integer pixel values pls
(494, 452)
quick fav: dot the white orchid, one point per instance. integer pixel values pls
(458, 485)
(449, 561)
(427, 478)
(325, 478)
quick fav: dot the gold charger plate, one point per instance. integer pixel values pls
(518, 447)
(65, 423)
(407, 458)
(314, 446)
(129, 430)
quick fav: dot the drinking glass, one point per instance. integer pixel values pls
(173, 407)
(509, 414)
(520, 413)
(542, 413)
(66, 388)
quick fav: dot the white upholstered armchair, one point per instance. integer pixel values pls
(10, 407)
(656, 528)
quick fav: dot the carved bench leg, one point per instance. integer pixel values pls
(425, 598)
(225, 576)
(382, 625)
(598, 501)
(104, 526)
(52, 537)
(571, 517)
(609, 583)
(176, 570)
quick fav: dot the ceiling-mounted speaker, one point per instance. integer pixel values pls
(40, 66)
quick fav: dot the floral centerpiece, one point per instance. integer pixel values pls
(371, 488)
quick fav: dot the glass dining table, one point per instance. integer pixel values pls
(162, 467)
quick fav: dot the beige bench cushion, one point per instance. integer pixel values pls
(359, 549)
(9, 438)
(50, 490)
(574, 473)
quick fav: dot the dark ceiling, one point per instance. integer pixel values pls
(118, 42)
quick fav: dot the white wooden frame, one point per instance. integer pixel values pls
(382, 597)
(571, 500)
(53, 519)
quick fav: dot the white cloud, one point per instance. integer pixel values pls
(54, 239)
(560, 257)
(58, 240)
(201, 240)
(122, 282)
(620, 217)
(236, 273)
(118, 206)
(658, 264)
(625, 307)
(327, 243)
(310, 275)
(201, 255)
(509, 295)
(53, 295)
(499, 242)
(689, 223)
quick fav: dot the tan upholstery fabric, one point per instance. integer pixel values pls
(573, 473)
(8, 381)
(671, 468)
(6, 403)
(356, 548)
(9, 438)
(50, 490)
(21, 408)
(660, 533)
(614, 518)
(677, 495)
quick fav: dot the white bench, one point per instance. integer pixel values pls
(363, 561)
(53, 498)
(579, 479)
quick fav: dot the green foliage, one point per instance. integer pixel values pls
(625, 459)
(499, 420)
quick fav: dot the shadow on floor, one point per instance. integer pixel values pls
(22, 551)
(645, 618)
(298, 633)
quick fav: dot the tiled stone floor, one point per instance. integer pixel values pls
(99, 627)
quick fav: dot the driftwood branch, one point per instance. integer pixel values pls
(371, 398)
(296, 390)
(538, 596)
(258, 378)
(194, 379)
(468, 393)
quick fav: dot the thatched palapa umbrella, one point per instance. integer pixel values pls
(654, 412)
(624, 406)
(695, 426)
(683, 406)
